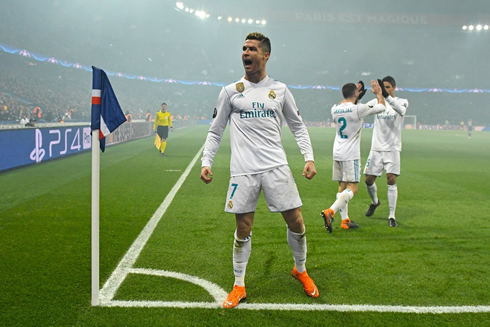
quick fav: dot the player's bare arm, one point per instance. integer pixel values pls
(206, 174)
(309, 171)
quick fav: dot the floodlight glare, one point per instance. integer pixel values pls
(219, 17)
(186, 9)
(257, 22)
(485, 27)
(465, 28)
(244, 20)
(230, 19)
(479, 27)
(471, 27)
(179, 5)
(264, 22)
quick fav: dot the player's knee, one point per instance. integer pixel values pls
(391, 179)
(353, 187)
(294, 220)
(369, 180)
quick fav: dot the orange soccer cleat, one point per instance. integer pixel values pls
(235, 297)
(347, 224)
(308, 283)
(327, 215)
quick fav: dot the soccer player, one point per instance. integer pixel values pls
(348, 117)
(386, 146)
(470, 128)
(163, 120)
(255, 107)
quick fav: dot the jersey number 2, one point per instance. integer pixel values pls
(344, 125)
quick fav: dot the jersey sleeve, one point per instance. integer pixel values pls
(372, 102)
(218, 126)
(156, 121)
(169, 120)
(368, 110)
(297, 126)
(399, 105)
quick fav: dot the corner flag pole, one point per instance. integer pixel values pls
(107, 116)
(95, 215)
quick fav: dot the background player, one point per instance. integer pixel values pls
(386, 146)
(470, 128)
(348, 117)
(255, 107)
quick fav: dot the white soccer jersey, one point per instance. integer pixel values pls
(255, 113)
(348, 118)
(387, 133)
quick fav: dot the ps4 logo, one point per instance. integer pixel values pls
(38, 153)
(59, 142)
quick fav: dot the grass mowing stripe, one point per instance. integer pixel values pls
(437, 258)
(307, 307)
(121, 271)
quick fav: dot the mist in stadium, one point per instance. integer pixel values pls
(431, 270)
(437, 52)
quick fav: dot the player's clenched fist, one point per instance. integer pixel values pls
(206, 175)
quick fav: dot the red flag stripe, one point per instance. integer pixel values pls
(96, 96)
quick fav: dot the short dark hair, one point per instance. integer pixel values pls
(163, 104)
(265, 43)
(390, 80)
(348, 90)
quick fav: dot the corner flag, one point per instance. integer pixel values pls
(107, 115)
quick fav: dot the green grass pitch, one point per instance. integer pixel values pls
(438, 256)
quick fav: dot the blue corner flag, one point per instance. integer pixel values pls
(107, 115)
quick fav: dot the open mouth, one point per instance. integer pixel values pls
(247, 62)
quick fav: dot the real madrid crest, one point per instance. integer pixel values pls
(272, 95)
(230, 204)
(240, 87)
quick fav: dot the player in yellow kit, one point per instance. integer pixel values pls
(163, 121)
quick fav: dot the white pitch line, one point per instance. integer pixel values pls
(119, 274)
(302, 307)
(163, 304)
(214, 290)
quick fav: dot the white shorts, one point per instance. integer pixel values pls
(379, 160)
(346, 171)
(280, 191)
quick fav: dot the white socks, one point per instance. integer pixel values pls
(392, 197)
(373, 193)
(342, 199)
(243, 247)
(241, 253)
(344, 211)
(297, 243)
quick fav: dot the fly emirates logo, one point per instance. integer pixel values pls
(258, 111)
